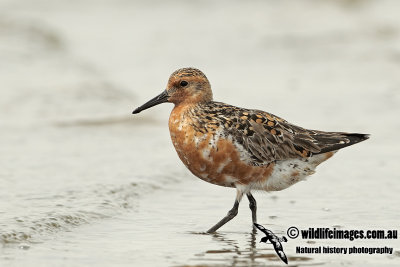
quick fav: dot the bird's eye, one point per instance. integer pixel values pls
(183, 83)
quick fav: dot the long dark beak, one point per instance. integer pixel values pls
(161, 98)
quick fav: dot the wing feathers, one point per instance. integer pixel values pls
(268, 138)
(273, 138)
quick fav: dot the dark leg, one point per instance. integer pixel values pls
(253, 207)
(231, 214)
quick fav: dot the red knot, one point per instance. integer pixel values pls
(246, 149)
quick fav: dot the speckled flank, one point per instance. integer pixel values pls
(289, 172)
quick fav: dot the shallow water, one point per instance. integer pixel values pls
(84, 182)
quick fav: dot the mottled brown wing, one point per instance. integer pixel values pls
(269, 138)
(266, 137)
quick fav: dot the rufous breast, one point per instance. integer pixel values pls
(209, 154)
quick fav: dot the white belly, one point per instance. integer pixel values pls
(289, 172)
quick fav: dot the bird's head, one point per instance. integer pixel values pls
(264, 239)
(185, 86)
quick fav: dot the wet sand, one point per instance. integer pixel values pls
(167, 229)
(84, 182)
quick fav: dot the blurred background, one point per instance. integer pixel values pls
(82, 181)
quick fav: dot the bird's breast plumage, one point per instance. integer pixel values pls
(209, 151)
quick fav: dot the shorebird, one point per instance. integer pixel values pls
(246, 149)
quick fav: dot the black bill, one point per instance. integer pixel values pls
(161, 98)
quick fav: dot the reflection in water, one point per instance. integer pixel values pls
(231, 254)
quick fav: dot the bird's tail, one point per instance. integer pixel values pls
(336, 140)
